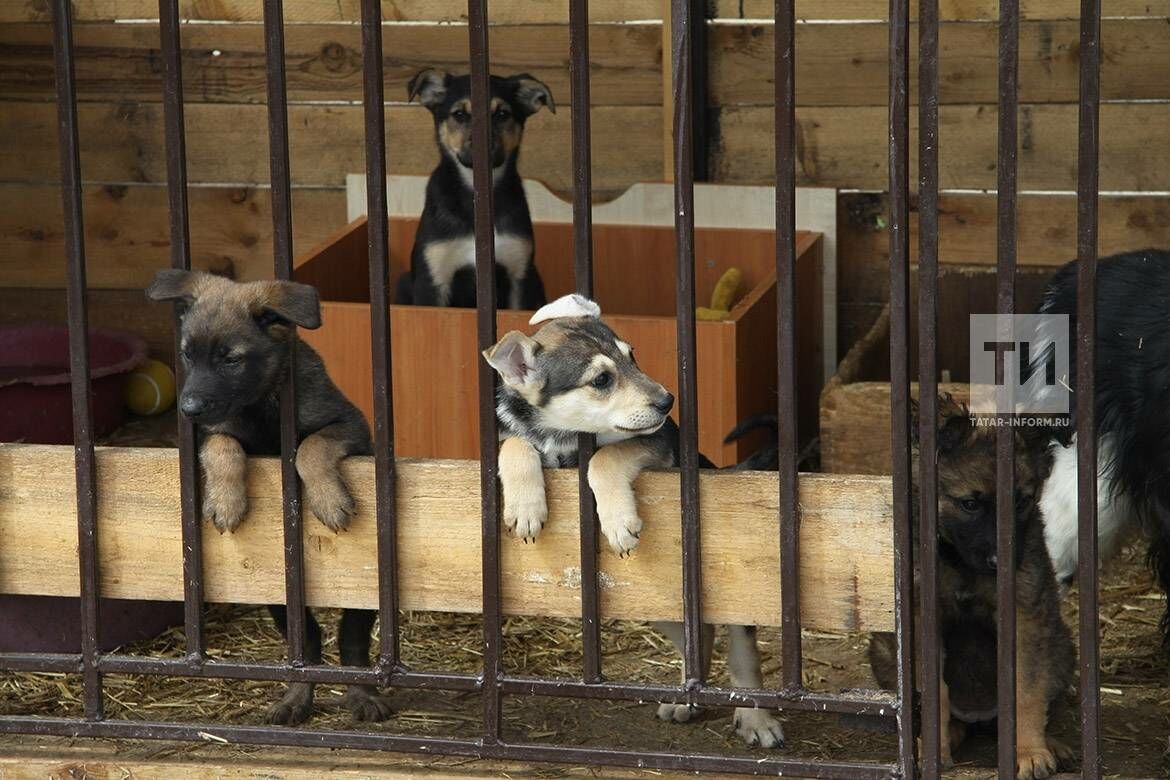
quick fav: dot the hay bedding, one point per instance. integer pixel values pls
(1135, 690)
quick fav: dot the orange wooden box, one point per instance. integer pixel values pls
(434, 354)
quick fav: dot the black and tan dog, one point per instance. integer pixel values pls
(234, 345)
(442, 263)
(574, 375)
(967, 595)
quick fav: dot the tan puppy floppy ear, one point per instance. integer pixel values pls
(283, 303)
(532, 93)
(514, 359)
(174, 284)
(567, 306)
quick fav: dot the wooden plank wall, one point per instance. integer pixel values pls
(841, 64)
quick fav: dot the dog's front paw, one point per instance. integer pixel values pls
(366, 705)
(1035, 762)
(622, 531)
(225, 505)
(330, 502)
(678, 713)
(294, 708)
(524, 517)
(758, 728)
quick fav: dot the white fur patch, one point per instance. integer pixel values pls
(444, 258)
(567, 306)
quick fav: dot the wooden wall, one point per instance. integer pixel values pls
(841, 64)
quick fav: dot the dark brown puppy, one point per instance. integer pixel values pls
(967, 614)
(234, 346)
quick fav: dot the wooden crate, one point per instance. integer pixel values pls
(855, 403)
(434, 349)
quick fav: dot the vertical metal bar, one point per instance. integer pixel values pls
(70, 160)
(700, 78)
(378, 225)
(929, 663)
(294, 579)
(1087, 187)
(899, 170)
(192, 531)
(785, 74)
(583, 274)
(485, 287)
(688, 409)
(1009, 45)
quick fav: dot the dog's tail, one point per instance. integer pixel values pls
(767, 457)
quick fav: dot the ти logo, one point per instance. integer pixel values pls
(1020, 364)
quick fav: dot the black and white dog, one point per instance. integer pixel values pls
(1132, 409)
(442, 263)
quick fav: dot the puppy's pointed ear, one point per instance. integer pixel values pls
(288, 303)
(567, 306)
(429, 86)
(532, 93)
(514, 359)
(174, 284)
(954, 423)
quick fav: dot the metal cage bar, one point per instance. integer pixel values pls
(928, 209)
(485, 299)
(176, 140)
(78, 315)
(1005, 480)
(378, 226)
(1088, 151)
(294, 558)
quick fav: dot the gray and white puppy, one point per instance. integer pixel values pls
(573, 376)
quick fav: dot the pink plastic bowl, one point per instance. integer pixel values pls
(35, 402)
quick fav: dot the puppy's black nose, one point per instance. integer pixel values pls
(664, 403)
(193, 406)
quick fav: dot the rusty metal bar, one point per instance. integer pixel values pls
(928, 209)
(74, 227)
(583, 275)
(357, 740)
(294, 558)
(1087, 192)
(688, 408)
(785, 74)
(378, 225)
(485, 299)
(176, 140)
(1009, 51)
(899, 171)
(63, 663)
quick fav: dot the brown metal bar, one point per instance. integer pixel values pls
(294, 559)
(930, 662)
(785, 74)
(176, 140)
(688, 407)
(356, 740)
(899, 168)
(385, 492)
(583, 274)
(75, 292)
(1087, 192)
(61, 663)
(1009, 46)
(485, 299)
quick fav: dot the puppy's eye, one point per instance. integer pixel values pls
(232, 359)
(602, 380)
(459, 115)
(970, 505)
(501, 113)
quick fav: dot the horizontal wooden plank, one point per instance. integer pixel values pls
(123, 142)
(526, 11)
(846, 565)
(846, 146)
(225, 63)
(127, 233)
(846, 64)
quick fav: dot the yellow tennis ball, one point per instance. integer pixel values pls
(150, 389)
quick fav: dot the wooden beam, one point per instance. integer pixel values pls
(846, 567)
(948, 10)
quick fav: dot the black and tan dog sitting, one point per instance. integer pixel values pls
(967, 568)
(442, 263)
(234, 345)
(574, 375)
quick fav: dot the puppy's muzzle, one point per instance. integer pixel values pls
(197, 407)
